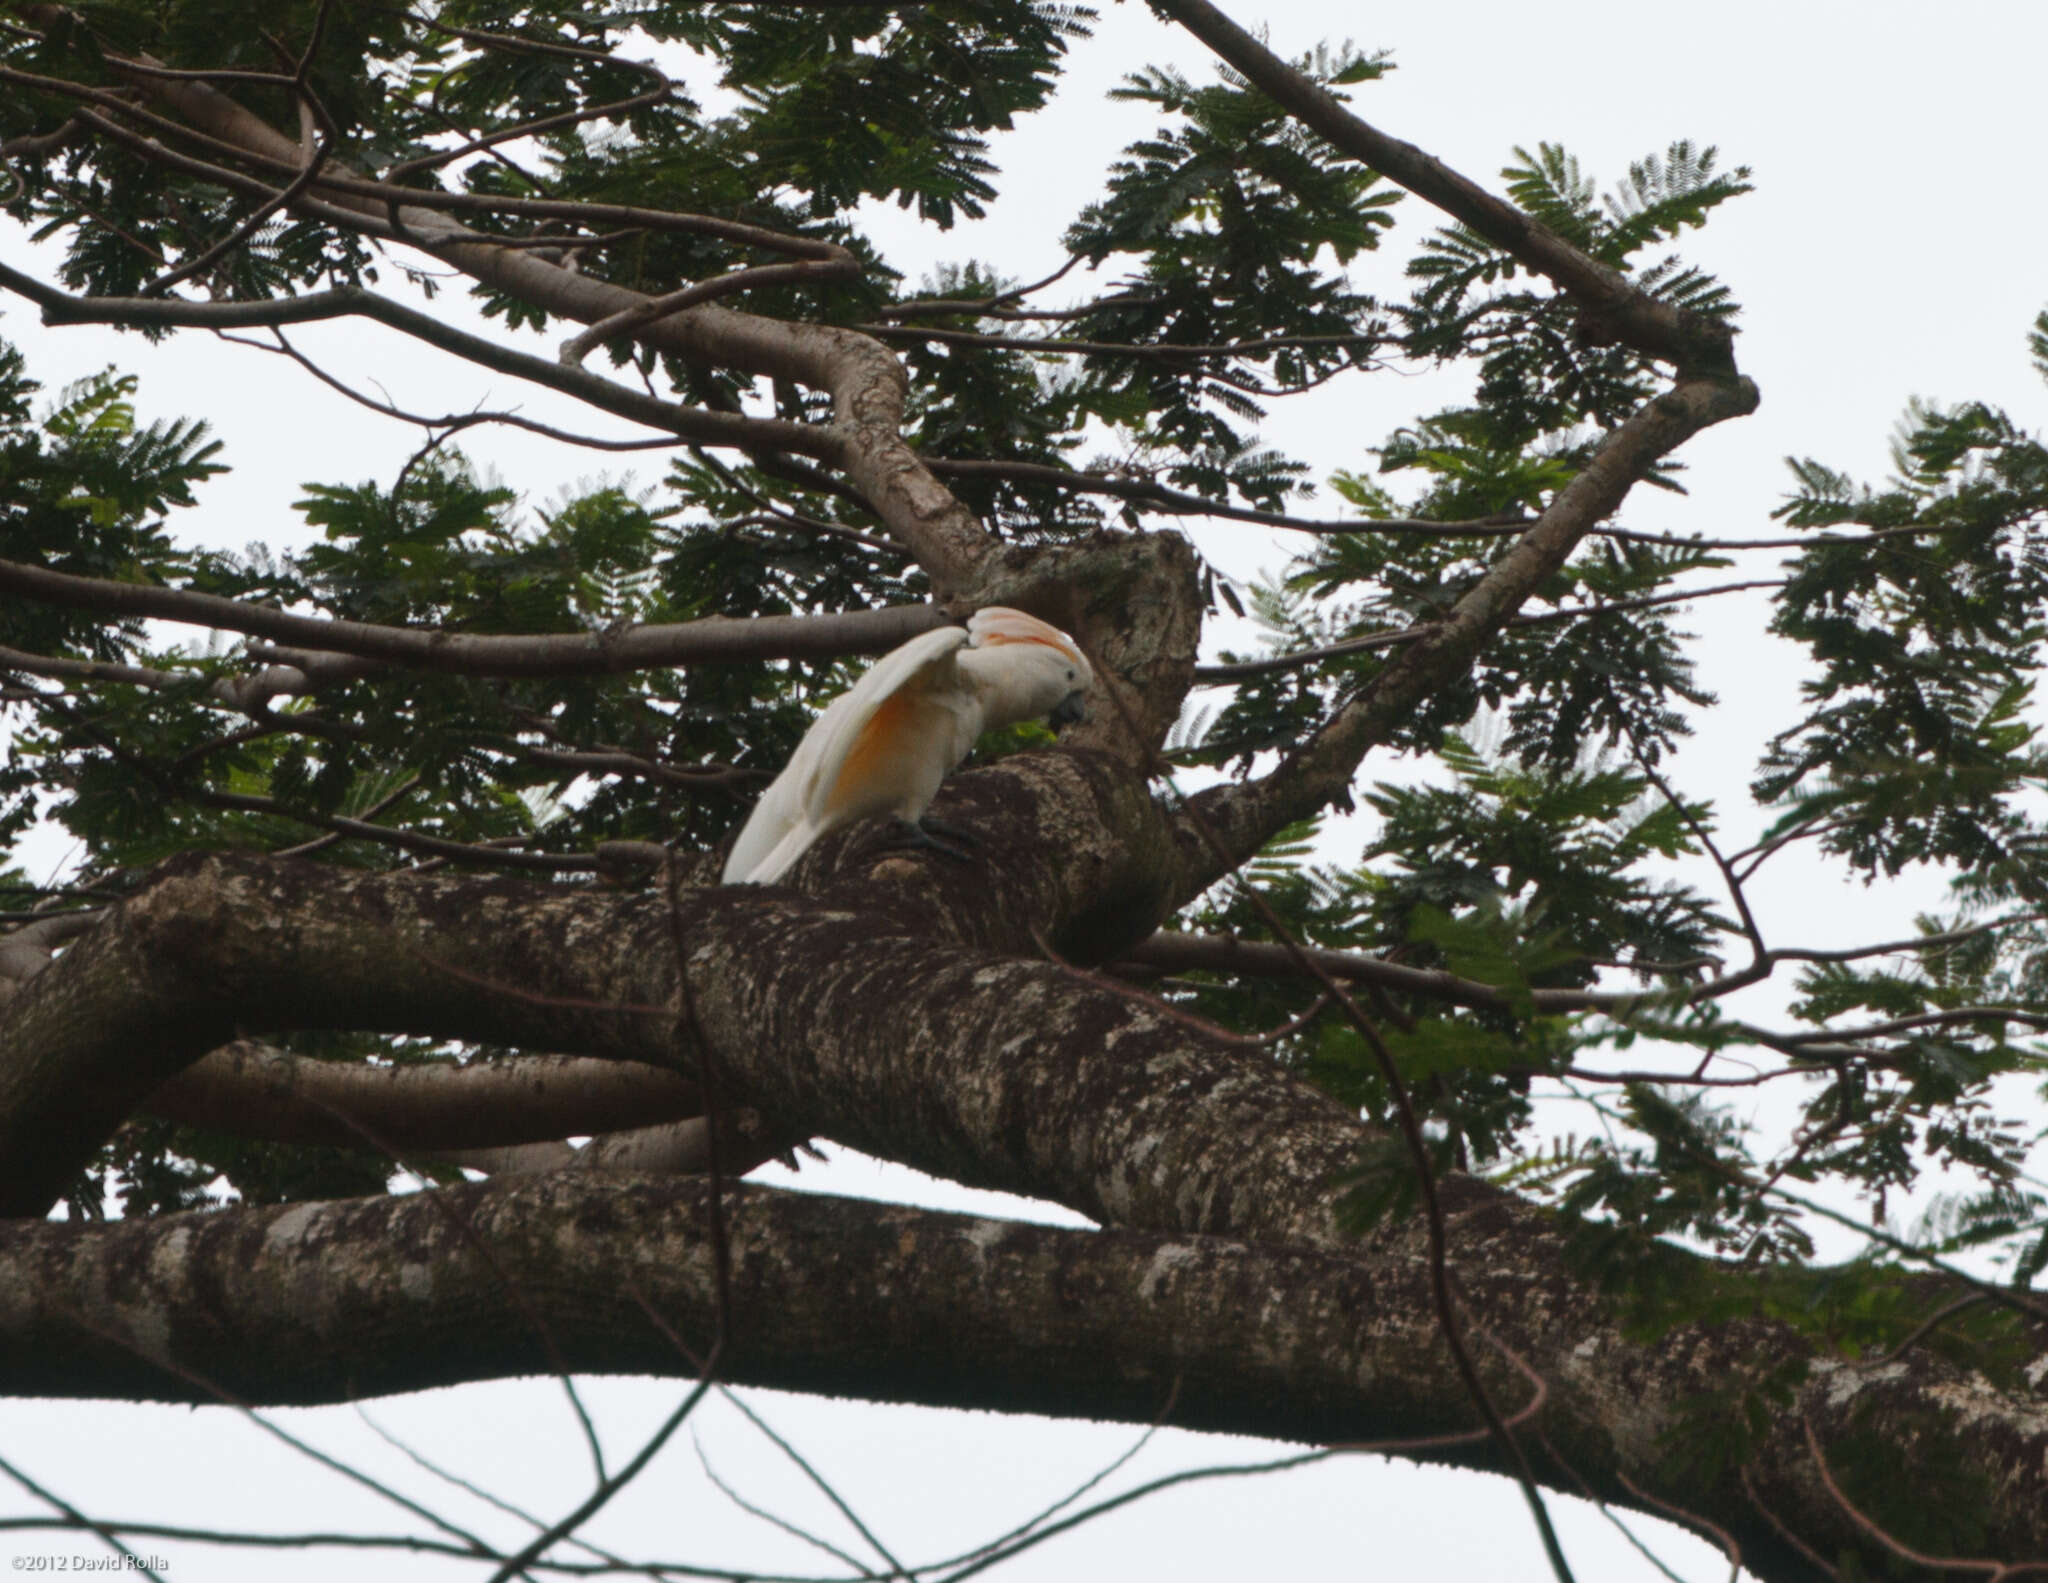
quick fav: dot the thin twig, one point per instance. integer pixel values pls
(822, 1484)
(477, 1491)
(1927, 1327)
(793, 1529)
(598, 1498)
(1760, 953)
(1686, 1515)
(642, 314)
(321, 843)
(404, 840)
(78, 1519)
(1994, 1569)
(1778, 1525)
(1206, 675)
(170, 1365)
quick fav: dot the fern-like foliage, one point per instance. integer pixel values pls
(1925, 611)
(1544, 363)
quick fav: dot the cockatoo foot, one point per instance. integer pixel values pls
(929, 835)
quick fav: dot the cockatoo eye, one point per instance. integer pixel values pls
(1070, 673)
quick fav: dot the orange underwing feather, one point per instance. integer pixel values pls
(884, 744)
(883, 739)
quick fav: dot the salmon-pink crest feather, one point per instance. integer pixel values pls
(998, 624)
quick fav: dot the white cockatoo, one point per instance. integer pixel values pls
(883, 745)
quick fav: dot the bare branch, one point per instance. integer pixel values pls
(1924, 942)
(258, 1091)
(561, 121)
(1320, 771)
(201, 262)
(867, 384)
(2026, 1017)
(1242, 670)
(1169, 351)
(690, 423)
(491, 854)
(280, 155)
(57, 667)
(77, 1520)
(1179, 502)
(473, 654)
(397, 794)
(628, 320)
(1994, 1569)
(1227, 954)
(1699, 346)
(1760, 953)
(452, 421)
(935, 305)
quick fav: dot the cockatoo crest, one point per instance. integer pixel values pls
(883, 745)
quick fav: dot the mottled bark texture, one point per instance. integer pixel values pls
(904, 1005)
(333, 1302)
(885, 1010)
(892, 1008)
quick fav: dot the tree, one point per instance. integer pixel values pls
(442, 690)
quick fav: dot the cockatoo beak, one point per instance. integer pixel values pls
(1072, 710)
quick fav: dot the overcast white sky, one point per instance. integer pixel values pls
(1894, 247)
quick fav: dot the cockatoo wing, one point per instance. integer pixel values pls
(857, 729)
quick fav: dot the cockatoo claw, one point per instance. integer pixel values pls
(929, 835)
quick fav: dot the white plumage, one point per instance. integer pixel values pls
(883, 745)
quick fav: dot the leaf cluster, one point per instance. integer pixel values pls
(1546, 365)
(1923, 611)
(1231, 213)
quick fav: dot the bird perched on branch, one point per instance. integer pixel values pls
(883, 745)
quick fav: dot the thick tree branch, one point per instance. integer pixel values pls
(179, 970)
(312, 1303)
(853, 1015)
(745, 1140)
(27, 950)
(922, 1010)
(223, 945)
